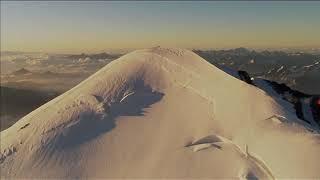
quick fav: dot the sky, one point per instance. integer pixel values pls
(84, 26)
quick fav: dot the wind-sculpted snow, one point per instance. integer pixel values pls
(161, 113)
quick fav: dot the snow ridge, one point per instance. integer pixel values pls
(160, 113)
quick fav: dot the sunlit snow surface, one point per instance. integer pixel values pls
(161, 113)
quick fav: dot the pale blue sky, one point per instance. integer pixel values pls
(94, 26)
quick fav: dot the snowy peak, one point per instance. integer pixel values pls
(160, 113)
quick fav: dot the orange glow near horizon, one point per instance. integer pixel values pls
(97, 26)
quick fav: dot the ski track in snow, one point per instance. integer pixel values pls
(213, 141)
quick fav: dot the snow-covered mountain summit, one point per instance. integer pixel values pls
(161, 113)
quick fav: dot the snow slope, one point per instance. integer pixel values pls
(284, 95)
(161, 113)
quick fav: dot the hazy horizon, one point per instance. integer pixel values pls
(76, 27)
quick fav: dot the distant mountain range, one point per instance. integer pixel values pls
(298, 70)
(21, 71)
(24, 71)
(94, 56)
